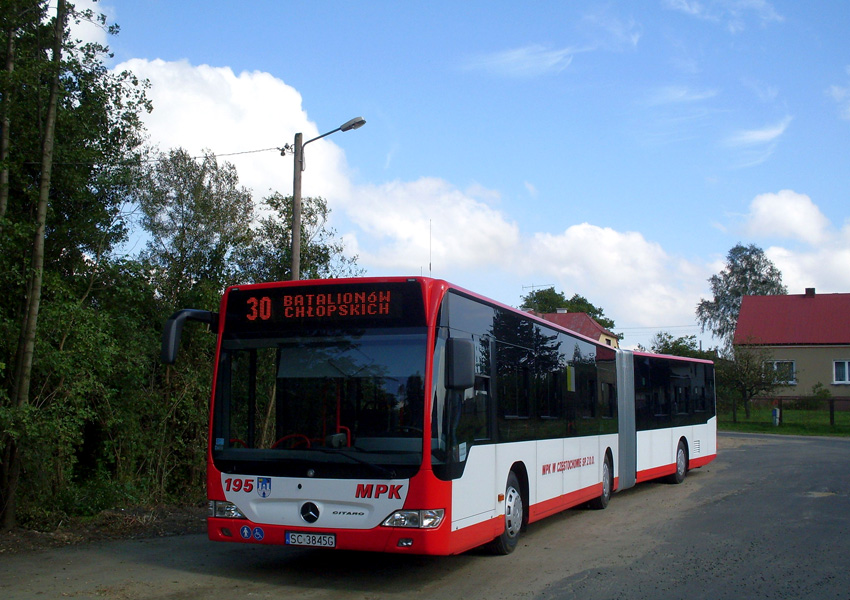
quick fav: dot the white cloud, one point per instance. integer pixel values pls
(634, 279)
(732, 14)
(824, 268)
(528, 61)
(841, 96)
(755, 146)
(200, 107)
(786, 214)
(812, 253)
(763, 91)
(605, 32)
(689, 7)
(765, 135)
(611, 31)
(676, 94)
(676, 113)
(405, 226)
(89, 30)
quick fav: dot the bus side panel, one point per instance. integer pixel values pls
(474, 495)
(657, 448)
(561, 474)
(572, 479)
(703, 448)
(655, 454)
(550, 483)
(478, 513)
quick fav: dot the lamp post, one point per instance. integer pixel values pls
(297, 150)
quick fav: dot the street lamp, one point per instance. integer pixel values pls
(297, 150)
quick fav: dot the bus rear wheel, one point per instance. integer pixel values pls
(514, 510)
(681, 464)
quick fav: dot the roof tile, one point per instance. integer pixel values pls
(794, 319)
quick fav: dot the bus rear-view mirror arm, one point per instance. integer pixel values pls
(460, 364)
(174, 328)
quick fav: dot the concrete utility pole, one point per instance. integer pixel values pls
(296, 208)
(298, 166)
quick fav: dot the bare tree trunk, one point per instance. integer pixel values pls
(23, 371)
(6, 110)
(8, 461)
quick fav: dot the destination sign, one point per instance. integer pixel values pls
(387, 304)
(334, 305)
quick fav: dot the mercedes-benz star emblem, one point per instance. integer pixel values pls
(309, 512)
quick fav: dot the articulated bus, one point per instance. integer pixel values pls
(409, 415)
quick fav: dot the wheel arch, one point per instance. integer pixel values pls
(519, 469)
(680, 469)
(683, 439)
(609, 456)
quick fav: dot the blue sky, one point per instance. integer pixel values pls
(615, 150)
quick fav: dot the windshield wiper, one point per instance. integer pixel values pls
(390, 473)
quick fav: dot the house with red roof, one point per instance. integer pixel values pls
(808, 336)
(583, 324)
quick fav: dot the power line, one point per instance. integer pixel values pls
(275, 148)
(152, 160)
(243, 152)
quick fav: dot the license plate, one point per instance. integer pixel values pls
(322, 540)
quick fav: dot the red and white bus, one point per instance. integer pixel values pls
(410, 415)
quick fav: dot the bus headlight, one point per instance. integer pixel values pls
(224, 510)
(419, 519)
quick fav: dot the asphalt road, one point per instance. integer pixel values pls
(770, 518)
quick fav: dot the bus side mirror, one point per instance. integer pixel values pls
(460, 364)
(174, 328)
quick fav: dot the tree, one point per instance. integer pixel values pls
(197, 216)
(664, 343)
(543, 301)
(26, 341)
(748, 272)
(70, 133)
(549, 301)
(268, 257)
(746, 372)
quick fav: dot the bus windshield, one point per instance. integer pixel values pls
(346, 405)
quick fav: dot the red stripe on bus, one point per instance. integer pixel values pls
(695, 463)
(664, 470)
(655, 473)
(550, 507)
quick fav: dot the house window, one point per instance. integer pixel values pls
(785, 370)
(841, 370)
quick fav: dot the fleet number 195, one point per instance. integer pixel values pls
(238, 485)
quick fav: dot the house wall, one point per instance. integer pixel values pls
(813, 365)
(609, 341)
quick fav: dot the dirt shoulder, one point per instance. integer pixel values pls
(114, 524)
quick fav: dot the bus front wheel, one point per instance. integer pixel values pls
(607, 486)
(507, 541)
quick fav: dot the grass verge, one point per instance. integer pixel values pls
(794, 422)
